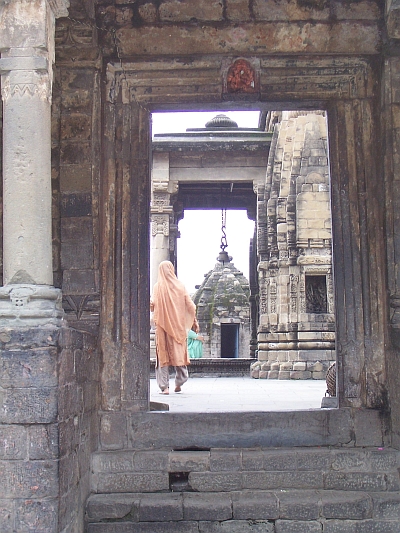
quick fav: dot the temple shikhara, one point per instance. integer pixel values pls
(91, 201)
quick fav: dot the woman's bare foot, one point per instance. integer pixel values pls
(178, 389)
(165, 391)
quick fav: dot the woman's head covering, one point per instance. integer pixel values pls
(174, 310)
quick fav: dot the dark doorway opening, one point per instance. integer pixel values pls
(229, 341)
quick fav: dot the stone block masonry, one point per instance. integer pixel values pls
(49, 393)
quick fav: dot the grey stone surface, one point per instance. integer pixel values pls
(299, 505)
(282, 480)
(215, 482)
(361, 526)
(118, 461)
(279, 460)
(198, 506)
(355, 481)
(150, 461)
(255, 505)
(36, 515)
(113, 430)
(386, 505)
(197, 461)
(346, 505)
(105, 506)
(225, 460)
(237, 526)
(131, 482)
(28, 368)
(28, 406)
(312, 459)
(252, 459)
(291, 526)
(145, 527)
(306, 428)
(43, 441)
(33, 479)
(13, 442)
(162, 508)
(7, 515)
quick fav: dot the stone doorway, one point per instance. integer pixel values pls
(356, 215)
(279, 173)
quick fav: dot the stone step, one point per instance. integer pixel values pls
(223, 470)
(313, 427)
(246, 511)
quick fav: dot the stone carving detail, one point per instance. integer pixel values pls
(160, 225)
(30, 305)
(273, 296)
(294, 280)
(330, 292)
(264, 296)
(241, 77)
(42, 90)
(160, 200)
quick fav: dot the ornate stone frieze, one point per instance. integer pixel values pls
(314, 259)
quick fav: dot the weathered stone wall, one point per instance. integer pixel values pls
(391, 131)
(49, 389)
(75, 170)
(78, 404)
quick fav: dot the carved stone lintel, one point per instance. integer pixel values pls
(30, 305)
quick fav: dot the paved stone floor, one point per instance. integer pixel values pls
(215, 394)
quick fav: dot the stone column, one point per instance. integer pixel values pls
(27, 54)
(163, 230)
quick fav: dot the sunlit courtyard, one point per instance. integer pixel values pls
(216, 394)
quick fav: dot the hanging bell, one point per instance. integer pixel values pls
(223, 257)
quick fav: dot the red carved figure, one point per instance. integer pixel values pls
(241, 77)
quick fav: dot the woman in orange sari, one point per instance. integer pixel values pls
(174, 313)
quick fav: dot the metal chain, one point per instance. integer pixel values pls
(224, 242)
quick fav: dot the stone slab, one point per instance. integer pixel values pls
(361, 526)
(162, 508)
(346, 505)
(291, 526)
(28, 479)
(237, 526)
(247, 430)
(145, 527)
(255, 505)
(199, 506)
(142, 482)
(299, 505)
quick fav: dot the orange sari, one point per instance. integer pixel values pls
(174, 313)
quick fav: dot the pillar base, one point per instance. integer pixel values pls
(30, 305)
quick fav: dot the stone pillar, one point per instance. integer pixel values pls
(163, 230)
(27, 54)
(30, 307)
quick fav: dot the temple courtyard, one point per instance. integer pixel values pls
(230, 394)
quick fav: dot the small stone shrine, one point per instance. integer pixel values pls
(223, 311)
